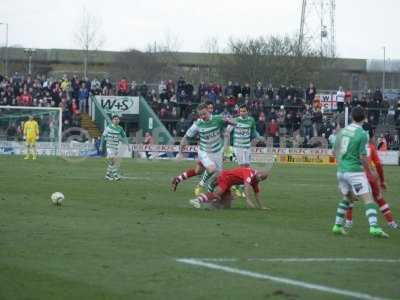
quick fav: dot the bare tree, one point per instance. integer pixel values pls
(137, 65)
(212, 48)
(158, 61)
(88, 35)
(276, 58)
(165, 52)
(170, 43)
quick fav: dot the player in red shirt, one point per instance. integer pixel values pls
(221, 197)
(376, 179)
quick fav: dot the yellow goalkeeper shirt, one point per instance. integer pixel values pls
(31, 129)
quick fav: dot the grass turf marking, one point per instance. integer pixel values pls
(302, 284)
(302, 259)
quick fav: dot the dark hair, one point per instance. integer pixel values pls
(358, 114)
(201, 106)
(209, 102)
(243, 106)
(114, 116)
(369, 129)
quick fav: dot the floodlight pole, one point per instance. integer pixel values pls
(384, 72)
(29, 52)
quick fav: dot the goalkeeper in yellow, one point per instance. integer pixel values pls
(31, 135)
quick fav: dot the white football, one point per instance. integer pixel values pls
(57, 198)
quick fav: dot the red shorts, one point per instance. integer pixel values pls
(374, 183)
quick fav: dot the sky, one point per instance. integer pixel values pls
(363, 27)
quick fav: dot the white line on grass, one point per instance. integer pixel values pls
(302, 284)
(300, 259)
(136, 178)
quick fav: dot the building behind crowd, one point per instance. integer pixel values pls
(352, 74)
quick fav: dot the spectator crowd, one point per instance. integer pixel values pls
(282, 112)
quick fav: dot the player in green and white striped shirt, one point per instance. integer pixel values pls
(242, 135)
(210, 129)
(112, 136)
(352, 165)
(199, 188)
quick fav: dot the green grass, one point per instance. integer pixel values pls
(119, 240)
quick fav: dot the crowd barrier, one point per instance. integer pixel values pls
(314, 156)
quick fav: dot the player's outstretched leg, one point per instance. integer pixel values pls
(202, 198)
(340, 215)
(178, 179)
(212, 182)
(200, 186)
(349, 216)
(387, 213)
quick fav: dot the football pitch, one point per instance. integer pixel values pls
(135, 239)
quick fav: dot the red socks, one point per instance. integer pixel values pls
(206, 197)
(185, 175)
(385, 209)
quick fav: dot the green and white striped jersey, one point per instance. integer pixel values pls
(244, 132)
(112, 135)
(351, 144)
(210, 133)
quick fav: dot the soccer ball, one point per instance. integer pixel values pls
(57, 198)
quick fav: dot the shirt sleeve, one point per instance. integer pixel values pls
(254, 132)
(363, 144)
(221, 121)
(122, 133)
(105, 132)
(192, 131)
(103, 138)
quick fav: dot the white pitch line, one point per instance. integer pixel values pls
(288, 281)
(136, 178)
(300, 259)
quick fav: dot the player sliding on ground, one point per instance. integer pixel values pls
(210, 154)
(111, 138)
(221, 196)
(351, 153)
(31, 135)
(376, 179)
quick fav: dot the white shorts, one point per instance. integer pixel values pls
(211, 159)
(243, 155)
(355, 182)
(112, 153)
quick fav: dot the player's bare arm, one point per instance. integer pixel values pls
(182, 144)
(259, 202)
(365, 163)
(249, 202)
